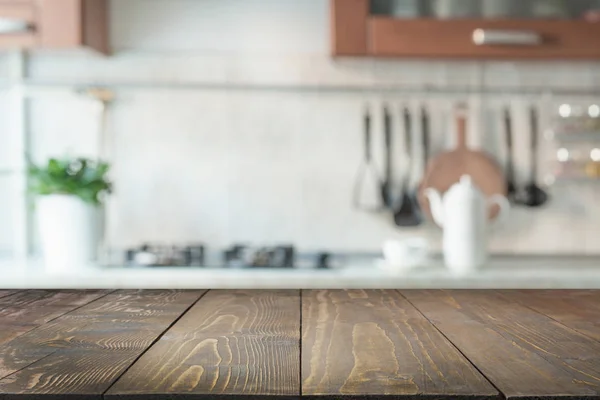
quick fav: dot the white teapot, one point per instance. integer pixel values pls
(463, 215)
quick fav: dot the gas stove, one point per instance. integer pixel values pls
(238, 255)
(192, 255)
(241, 255)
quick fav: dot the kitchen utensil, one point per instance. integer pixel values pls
(425, 124)
(446, 168)
(511, 187)
(386, 184)
(447, 9)
(533, 195)
(462, 213)
(367, 189)
(407, 215)
(425, 137)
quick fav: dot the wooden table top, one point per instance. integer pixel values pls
(280, 344)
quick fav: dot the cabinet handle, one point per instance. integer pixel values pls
(490, 37)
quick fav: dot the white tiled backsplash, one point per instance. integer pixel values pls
(225, 165)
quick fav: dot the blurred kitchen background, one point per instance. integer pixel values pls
(232, 122)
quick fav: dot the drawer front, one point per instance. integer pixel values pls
(511, 39)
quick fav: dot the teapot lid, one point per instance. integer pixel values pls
(465, 185)
(466, 180)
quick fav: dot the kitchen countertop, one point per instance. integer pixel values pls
(289, 344)
(503, 272)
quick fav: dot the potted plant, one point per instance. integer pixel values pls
(70, 192)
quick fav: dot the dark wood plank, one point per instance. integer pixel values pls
(23, 311)
(576, 354)
(82, 353)
(577, 309)
(230, 343)
(358, 343)
(523, 353)
(7, 292)
(40, 306)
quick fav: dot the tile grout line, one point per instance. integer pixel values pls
(183, 313)
(500, 394)
(577, 331)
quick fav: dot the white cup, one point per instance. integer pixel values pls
(405, 254)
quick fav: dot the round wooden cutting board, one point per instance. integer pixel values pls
(445, 169)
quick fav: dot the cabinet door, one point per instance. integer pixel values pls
(74, 24)
(349, 27)
(514, 29)
(60, 23)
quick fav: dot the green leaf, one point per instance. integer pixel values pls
(79, 177)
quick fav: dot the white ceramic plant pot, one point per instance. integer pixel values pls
(69, 232)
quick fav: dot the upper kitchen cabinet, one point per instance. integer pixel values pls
(54, 24)
(478, 29)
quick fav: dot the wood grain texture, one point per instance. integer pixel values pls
(80, 354)
(523, 353)
(576, 354)
(577, 309)
(349, 27)
(562, 39)
(22, 311)
(6, 292)
(359, 343)
(230, 343)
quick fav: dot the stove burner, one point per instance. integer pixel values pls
(260, 257)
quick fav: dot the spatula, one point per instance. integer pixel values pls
(408, 215)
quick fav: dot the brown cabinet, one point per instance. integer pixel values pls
(360, 30)
(57, 24)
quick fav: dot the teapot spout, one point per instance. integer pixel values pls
(435, 204)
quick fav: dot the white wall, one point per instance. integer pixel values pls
(222, 165)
